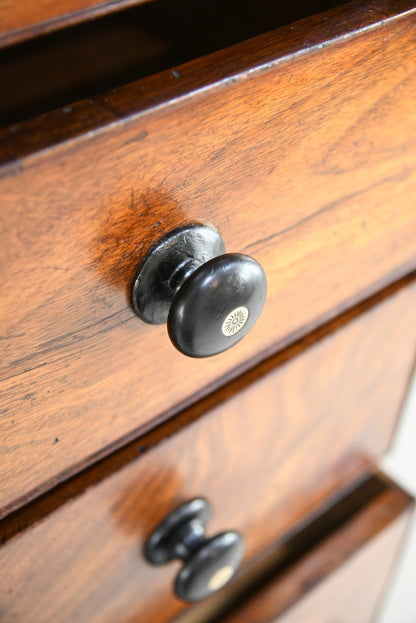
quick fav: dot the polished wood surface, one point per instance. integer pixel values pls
(266, 457)
(315, 184)
(24, 20)
(344, 577)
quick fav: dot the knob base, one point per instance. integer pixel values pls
(168, 264)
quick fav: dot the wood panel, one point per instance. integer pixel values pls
(24, 20)
(344, 577)
(271, 454)
(307, 162)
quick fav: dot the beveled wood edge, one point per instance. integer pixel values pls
(46, 26)
(50, 495)
(23, 143)
(353, 516)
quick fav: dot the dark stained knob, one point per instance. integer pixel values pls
(209, 299)
(208, 563)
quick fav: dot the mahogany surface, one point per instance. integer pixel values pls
(307, 161)
(342, 579)
(266, 457)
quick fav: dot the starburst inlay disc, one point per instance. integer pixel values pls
(235, 321)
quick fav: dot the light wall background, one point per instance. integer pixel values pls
(399, 603)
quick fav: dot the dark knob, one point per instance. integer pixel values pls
(208, 563)
(210, 300)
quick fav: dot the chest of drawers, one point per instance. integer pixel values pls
(298, 146)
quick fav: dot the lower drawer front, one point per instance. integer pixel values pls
(353, 593)
(271, 448)
(343, 578)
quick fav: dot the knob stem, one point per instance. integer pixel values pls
(190, 538)
(182, 273)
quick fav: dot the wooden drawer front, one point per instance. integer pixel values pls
(353, 593)
(265, 457)
(343, 577)
(307, 162)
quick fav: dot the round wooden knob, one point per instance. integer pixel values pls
(209, 563)
(209, 299)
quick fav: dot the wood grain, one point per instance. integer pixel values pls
(271, 454)
(24, 20)
(344, 577)
(307, 162)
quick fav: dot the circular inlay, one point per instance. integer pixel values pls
(235, 321)
(221, 577)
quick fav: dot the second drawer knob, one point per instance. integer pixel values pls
(209, 563)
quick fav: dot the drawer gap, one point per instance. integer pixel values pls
(82, 61)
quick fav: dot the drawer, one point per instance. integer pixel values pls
(267, 451)
(260, 140)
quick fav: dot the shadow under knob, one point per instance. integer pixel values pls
(209, 299)
(209, 563)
